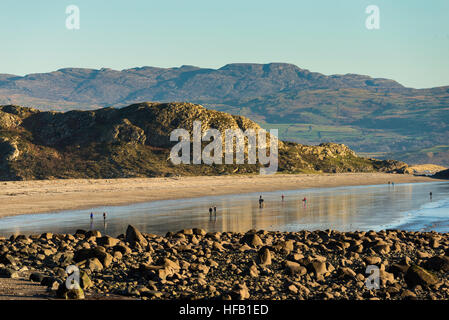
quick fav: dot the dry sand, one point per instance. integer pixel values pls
(21, 197)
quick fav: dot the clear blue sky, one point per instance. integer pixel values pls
(327, 36)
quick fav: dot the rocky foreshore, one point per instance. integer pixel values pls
(194, 264)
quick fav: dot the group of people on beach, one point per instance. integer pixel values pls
(92, 216)
(213, 209)
(430, 193)
(261, 201)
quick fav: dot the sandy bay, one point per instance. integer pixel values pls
(25, 197)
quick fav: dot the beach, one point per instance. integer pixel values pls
(38, 196)
(194, 264)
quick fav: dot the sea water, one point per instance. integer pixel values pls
(376, 207)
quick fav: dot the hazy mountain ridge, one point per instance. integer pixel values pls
(229, 82)
(383, 115)
(134, 142)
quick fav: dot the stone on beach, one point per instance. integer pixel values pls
(419, 276)
(133, 236)
(193, 264)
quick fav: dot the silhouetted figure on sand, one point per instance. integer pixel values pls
(210, 210)
(430, 194)
(91, 216)
(215, 209)
(260, 202)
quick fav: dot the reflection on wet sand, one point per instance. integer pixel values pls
(346, 208)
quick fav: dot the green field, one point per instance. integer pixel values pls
(361, 140)
(435, 155)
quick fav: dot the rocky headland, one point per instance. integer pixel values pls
(195, 264)
(134, 141)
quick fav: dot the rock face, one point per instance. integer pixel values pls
(9, 149)
(135, 142)
(442, 174)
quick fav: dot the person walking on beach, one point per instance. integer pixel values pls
(104, 216)
(282, 197)
(304, 202)
(430, 194)
(260, 202)
(210, 211)
(91, 216)
(215, 210)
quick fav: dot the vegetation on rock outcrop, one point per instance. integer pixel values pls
(135, 142)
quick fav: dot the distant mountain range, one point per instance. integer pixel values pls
(367, 114)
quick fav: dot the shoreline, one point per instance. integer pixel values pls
(42, 196)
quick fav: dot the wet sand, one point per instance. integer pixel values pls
(26, 197)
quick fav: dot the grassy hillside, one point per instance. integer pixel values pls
(134, 142)
(436, 155)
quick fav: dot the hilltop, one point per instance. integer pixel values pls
(367, 114)
(134, 142)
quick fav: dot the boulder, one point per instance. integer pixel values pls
(93, 234)
(264, 256)
(49, 282)
(285, 246)
(36, 277)
(294, 268)
(46, 236)
(398, 269)
(7, 259)
(438, 263)
(317, 267)
(70, 294)
(107, 241)
(8, 273)
(133, 237)
(251, 239)
(373, 260)
(253, 271)
(85, 254)
(346, 273)
(85, 282)
(419, 276)
(123, 249)
(94, 265)
(240, 292)
(199, 232)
